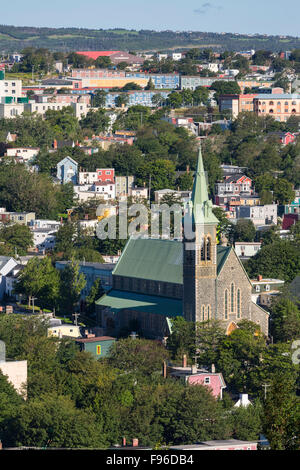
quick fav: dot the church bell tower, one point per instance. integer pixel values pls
(199, 252)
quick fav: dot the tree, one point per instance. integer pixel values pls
(247, 421)
(95, 293)
(122, 100)
(103, 62)
(182, 339)
(137, 355)
(41, 280)
(53, 421)
(71, 284)
(98, 121)
(280, 259)
(175, 99)
(222, 87)
(185, 181)
(99, 98)
(199, 417)
(17, 237)
(131, 86)
(283, 191)
(244, 231)
(285, 320)
(281, 417)
(150, 85)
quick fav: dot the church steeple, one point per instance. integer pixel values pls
(200, 204)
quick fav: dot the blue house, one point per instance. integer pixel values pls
(67, 170)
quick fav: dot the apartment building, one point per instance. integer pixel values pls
(280, 106)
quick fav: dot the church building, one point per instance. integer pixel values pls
(158, 279)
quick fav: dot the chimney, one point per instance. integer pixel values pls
(184, 361)
(259, 277)
(124, 442)
(135, 442)
(213, 369)
(55, 144)
(194, 369)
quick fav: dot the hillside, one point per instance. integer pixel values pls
(14, 39)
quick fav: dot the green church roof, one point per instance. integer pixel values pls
(119, 300)
(158, 260)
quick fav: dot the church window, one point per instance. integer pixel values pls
(203, 312)
(238, 303)
(232, 298)
(208, 312)
(208, 249)
(202, 249)
(226, 304)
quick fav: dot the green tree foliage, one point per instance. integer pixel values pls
(97, 121)
(53, 421)
(285, 320)
(137, 355)
(282, 415)
(41, 280)
(247, 422)
(280, 260)
(244, 231)
(71, 284)
(17, 238)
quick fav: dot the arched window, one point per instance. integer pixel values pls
(232, 298)
(226, 304)
(271, 103)
(271, 111)
(278, 103)
(208, 249)
(203, 249)
(286, 103)
(208, 312)
(238, 303)
(294, 103)
(293, 111)
(203, 312)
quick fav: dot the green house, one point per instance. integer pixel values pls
(98, 346)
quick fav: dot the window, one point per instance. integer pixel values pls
(98, 350)
(203, 313)
(202, 250)
(208, 312)
(208, 249)
(232, 298)
(226, 304)
(238, 303)
(207, 380)
(257, 288)
(267, 287)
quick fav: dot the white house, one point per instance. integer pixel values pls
(247, 249)
(44, 238)
(59, 331)
(7, 264)
(23, 153)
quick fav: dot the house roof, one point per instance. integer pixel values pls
(158, 260)
(95, 54)
(95, 338)
(119, 300)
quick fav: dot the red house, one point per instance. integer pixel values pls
(106, 175)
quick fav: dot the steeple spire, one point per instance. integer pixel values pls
(201, 205)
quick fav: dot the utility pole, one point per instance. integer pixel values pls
(265, 386)
(33, 299)
(76, 315)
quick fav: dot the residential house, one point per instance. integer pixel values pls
(195, 376)
(67, 170)
(7, 264)
(23, 154)
(246, 250)
(260, 215)
(64, 331)
(264, 290)
(98, 346)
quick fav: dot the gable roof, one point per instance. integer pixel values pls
(158, 260)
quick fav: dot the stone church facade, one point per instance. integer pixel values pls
(156, 280)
